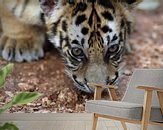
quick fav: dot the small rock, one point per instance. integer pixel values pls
(26, 87)
(9, 93)
(45, 102)
(42, 68)
(127, 72)
(80, 107)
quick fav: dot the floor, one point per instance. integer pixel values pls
(53, 121)
(60, 122)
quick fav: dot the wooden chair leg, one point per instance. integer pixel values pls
(146, 110)
(160, 97)
(94, 121)
(112, 93)
(97, 94)
(124, 125)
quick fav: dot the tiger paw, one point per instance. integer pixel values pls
(21, 49)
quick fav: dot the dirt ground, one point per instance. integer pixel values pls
(47, 75)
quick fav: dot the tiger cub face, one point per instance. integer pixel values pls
(91, 36)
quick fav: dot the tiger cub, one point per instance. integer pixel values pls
(91, 35)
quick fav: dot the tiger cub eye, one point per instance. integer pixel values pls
(77, 51)
(70, 1)
(114, 48)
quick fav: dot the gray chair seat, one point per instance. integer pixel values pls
(131, 111)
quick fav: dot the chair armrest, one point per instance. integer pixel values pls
(148, 88)
(101, 85)
(98, 90)
(148, 101)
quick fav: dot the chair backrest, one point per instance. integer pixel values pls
(143, 77)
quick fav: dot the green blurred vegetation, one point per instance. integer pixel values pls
(19, 99)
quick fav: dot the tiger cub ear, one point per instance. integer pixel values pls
(131, 3)
(47, 6)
